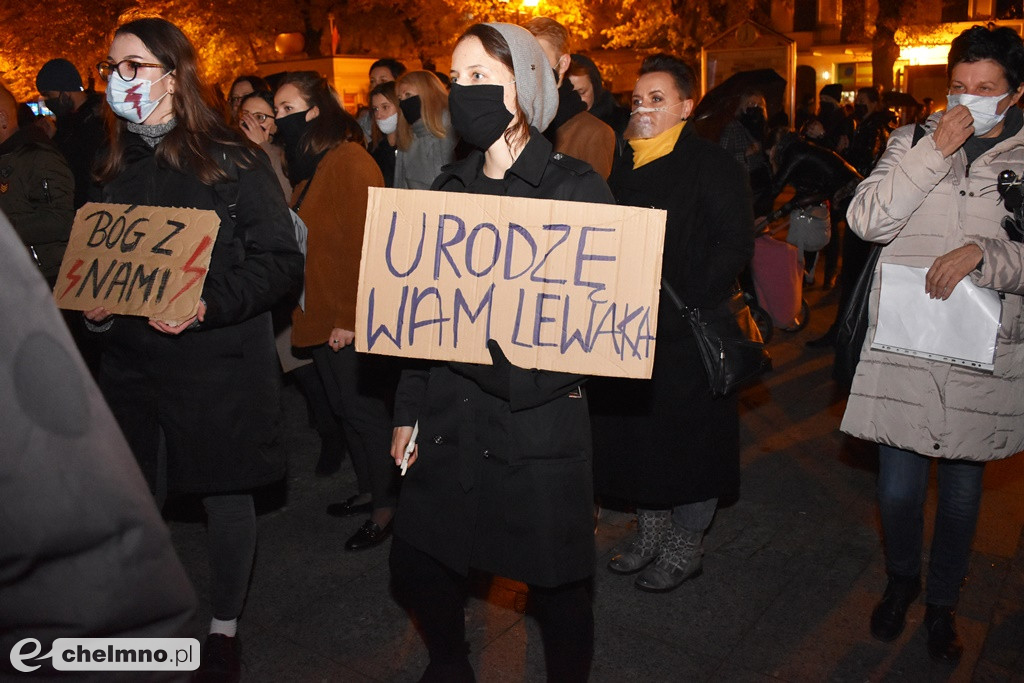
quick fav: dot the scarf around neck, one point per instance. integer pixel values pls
(151, 135)
(647, 150)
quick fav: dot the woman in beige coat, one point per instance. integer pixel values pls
(934, 205)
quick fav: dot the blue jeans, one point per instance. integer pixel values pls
(902, 486)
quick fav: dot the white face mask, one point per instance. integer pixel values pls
(130, 99)
(388, 125)
(982, 108)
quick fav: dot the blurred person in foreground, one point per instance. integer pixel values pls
(500, 479)
(85, 553)
(198, 399)
(666, 444)
(933, 205)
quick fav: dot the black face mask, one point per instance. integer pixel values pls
(860, 111)
(290, 130)
(411, 108)
(478, 113)
(753, 120)
(61, 105)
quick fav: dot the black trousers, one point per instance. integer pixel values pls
(231, 541)
(360, 388)
(435, 596)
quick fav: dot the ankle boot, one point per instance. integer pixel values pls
(651, 526)
(681, 558)
(889, 616)
(943, 643)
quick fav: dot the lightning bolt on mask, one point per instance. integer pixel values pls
(130, 99)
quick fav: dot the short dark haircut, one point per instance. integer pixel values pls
(681, 72)
(1001, 44)
(391, 64)
(869, 93)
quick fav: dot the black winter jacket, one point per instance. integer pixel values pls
(37, 192)
(213, 390)
(503, 482)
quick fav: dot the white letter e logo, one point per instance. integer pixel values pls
(18, 657)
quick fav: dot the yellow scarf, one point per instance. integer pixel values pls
(647, 150)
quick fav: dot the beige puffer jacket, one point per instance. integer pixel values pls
(922, 206)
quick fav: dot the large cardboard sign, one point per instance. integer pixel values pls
(560, 285)
(137, 260)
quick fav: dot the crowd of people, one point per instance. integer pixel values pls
(516, 457)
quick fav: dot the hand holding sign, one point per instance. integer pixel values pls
(138, 260)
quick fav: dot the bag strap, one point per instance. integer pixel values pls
(302, 195)
(675, 297)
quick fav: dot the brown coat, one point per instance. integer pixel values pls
(334, 210)
(921, 205)
(589, 139)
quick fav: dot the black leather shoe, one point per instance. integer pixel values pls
(824, 341)
(349, 508)
(890, 615)
(220, 661)
(368, 536)
(943, 643)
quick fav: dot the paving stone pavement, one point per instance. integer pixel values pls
(792, 570)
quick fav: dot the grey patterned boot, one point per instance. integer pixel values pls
(680, 559)
(651, 527)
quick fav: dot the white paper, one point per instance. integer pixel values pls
(960, 330)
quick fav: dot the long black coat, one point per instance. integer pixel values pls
(213, 390)
(666, 441)
(504, 485)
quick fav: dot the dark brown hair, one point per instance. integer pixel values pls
(334, 125)
(200, 125)
(497, 47)
(403, 132)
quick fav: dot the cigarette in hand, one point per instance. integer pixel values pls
(410, 447)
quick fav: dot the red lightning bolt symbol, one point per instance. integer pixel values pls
(73, 276)
(188, 268)
(132, 95)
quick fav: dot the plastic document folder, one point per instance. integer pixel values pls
(960, 330)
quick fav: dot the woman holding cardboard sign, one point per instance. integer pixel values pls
(500, 479)
(331, 172)
(198, 399)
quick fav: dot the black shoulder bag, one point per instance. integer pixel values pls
(852, 323)
(729, 342)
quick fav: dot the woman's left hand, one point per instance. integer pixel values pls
(949, 269)
(168, 328)
(340, 338)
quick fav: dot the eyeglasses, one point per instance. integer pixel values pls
(258, 115)
(237, 99)
(126, 68)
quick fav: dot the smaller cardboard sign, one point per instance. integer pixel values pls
(565, 286)
(149, 261)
